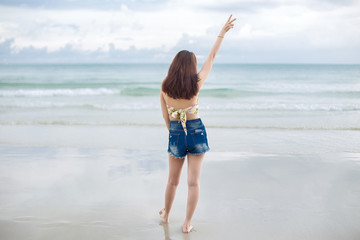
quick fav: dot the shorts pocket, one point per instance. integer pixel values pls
(173, 139)
(199, 136)
(200, 142)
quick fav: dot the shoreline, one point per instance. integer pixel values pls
(276, 141)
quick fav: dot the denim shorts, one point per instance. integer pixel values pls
(195, 142)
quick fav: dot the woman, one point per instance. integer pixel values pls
(187, 134)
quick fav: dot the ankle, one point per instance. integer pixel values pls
(186, 223)
(166, 214)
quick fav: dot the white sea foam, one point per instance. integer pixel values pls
(58, 92)
(284, 106)
(154, 105)
(291, 87)
(130, 123)
(151, 105)
(69, 105)
(209, 91)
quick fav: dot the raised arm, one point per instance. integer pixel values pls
(205, 70)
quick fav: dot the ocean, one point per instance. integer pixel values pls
(280, 96)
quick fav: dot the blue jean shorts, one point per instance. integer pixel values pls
(195, 142)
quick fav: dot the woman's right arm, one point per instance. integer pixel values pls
(205, 70)
(164, 110)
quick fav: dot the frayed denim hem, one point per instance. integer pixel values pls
(176, 156)
(199, 153)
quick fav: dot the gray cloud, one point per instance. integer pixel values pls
(200, 46)
(244, 6)
(144, 5)
(254, 6)
(69, 54)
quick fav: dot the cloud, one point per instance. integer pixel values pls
(92, 29)
(143, 5)
(275, 30)
(245, 5)
(69, 54)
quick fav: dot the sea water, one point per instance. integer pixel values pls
(284, 96)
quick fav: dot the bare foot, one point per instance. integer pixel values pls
(165, 219)
(187, 228)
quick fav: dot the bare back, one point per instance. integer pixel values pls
(181, 104)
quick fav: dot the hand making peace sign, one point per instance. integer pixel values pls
(228, 25)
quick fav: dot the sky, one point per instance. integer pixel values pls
(149, 31)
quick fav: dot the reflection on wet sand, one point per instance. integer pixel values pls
(186, 236)
(166, 230)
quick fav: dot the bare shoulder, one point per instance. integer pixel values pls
(162, 94)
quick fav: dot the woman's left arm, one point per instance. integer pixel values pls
(164, 110)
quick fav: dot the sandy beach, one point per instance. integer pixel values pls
(290, 188)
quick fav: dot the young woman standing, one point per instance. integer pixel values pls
(187, 133)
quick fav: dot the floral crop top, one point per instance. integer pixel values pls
(181, 113)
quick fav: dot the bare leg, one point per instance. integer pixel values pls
(194, 170)
(175, 166)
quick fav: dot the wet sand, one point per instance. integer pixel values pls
(85, 192)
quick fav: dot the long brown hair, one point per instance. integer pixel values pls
(181, 80)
